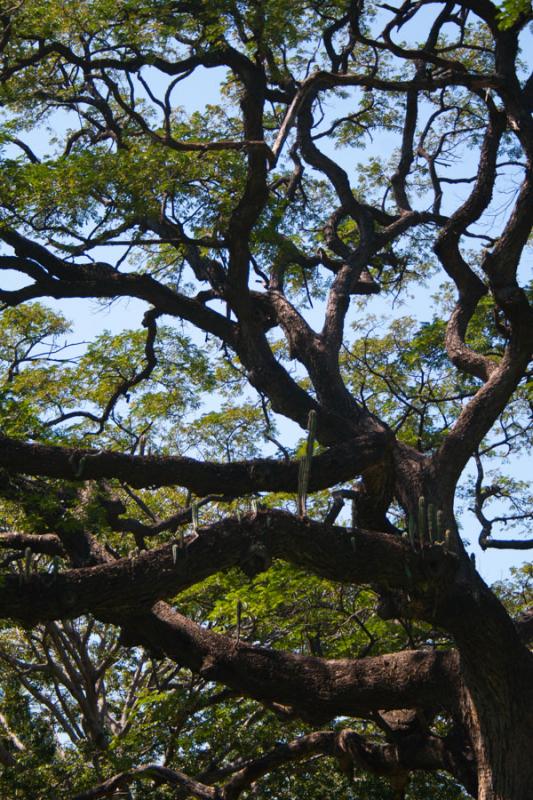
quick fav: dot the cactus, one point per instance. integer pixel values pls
(440, 525)
(27, 562)
(411, 529)
(305, 464)
(354, 515)
(432, 523)
(77, 468)
(311, 433)
(194, 516)
(422, 521)
(239, 619)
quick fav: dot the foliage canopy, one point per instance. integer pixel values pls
(234, 522)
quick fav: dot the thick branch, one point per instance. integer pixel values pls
(251, 543)
(47, 543)
(316, 689)
(57, 278)
(339, 463)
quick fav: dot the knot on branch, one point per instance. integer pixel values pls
(114, 508)
(256, 559)
(353, 750)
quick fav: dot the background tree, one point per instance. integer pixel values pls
(183, 611)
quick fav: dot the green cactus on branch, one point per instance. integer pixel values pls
(305, 464)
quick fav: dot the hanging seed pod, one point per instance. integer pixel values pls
(175, 550)
(447, 540)
(353, 543)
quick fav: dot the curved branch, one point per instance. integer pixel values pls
(470, 287)
(478, 416)
(149, 322)
(316, 689)
(348, 747)
(156, 773)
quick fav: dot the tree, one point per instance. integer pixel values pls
(133, 503)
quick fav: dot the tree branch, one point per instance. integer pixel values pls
(251, 542)
(339, 463)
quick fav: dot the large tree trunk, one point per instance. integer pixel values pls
(501, 732)
(497, 710)
(496, 667)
